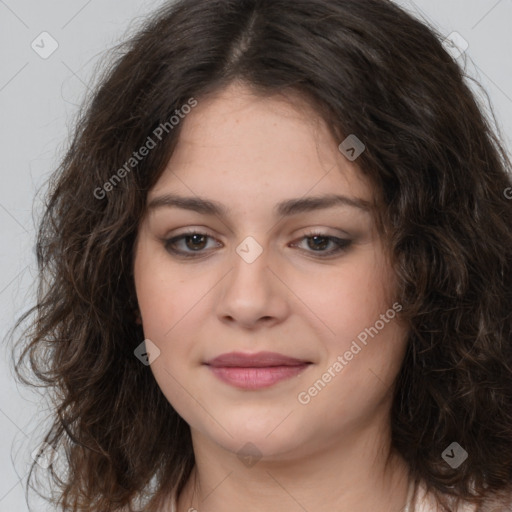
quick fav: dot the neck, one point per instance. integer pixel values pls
(354, 474)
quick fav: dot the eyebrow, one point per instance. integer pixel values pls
(286, 208)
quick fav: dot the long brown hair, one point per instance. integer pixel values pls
(440, 171)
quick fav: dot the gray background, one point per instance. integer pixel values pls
(39, 99)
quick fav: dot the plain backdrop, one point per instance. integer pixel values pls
(39, 98)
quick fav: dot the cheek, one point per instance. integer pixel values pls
(164, 297)
(352, 297)
(363, 329)
(165, 302)
(156, 302)
(357, 377)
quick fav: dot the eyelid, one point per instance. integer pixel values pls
(342, 244)
(188, 232)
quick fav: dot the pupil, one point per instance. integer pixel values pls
(321, 245)
(194, 238)
(319, 242)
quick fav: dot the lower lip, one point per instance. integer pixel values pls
(256, 378)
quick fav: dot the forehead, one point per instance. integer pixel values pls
(241, 147)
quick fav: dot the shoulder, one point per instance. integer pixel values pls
(498, 503)
(426, 502)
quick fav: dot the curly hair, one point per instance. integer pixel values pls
(437, 165)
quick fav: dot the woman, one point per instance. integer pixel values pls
(277, 271)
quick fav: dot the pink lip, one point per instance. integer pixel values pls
(255, 371)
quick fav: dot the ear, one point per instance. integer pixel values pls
(138, 318)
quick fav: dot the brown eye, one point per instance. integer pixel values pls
(319, 242)
(195, 242)
(187, 243)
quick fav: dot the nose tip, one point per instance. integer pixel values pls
(251, 296)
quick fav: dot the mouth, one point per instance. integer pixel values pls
(255, 371)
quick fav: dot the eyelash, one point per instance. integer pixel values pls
(342, 244)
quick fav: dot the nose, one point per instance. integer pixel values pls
(253, 294)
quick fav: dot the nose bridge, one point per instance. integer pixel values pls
(250, 263)
(249, 292)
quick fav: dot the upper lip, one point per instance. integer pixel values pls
(258, 360)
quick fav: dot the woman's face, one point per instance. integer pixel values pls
(252, 281)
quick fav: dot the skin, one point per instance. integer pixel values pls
(249, 153)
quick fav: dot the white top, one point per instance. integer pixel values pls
(424, 502)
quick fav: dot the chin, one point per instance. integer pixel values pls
(249, 438)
